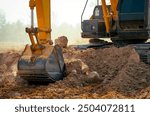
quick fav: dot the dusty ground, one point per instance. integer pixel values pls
(101, 73)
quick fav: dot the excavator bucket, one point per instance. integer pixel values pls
(47, 67)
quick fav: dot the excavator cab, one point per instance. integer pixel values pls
(41, 61)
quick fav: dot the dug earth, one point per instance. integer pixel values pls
(92, 73)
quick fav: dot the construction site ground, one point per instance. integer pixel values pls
(92, 73)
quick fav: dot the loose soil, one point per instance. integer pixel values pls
(92, 73)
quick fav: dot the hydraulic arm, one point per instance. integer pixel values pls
(41, 61)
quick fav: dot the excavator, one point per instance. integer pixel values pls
(123, 21)
(41, 61)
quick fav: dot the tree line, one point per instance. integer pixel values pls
(12, 32)
(15, 32)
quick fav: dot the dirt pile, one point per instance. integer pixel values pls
(93, 73)
(8, 68)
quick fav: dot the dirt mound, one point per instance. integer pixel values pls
(93, 73)
(119, 69)
(8, 68)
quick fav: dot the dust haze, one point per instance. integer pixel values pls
(13, 35)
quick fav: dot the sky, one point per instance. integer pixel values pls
(15, 10)
(63, 11)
